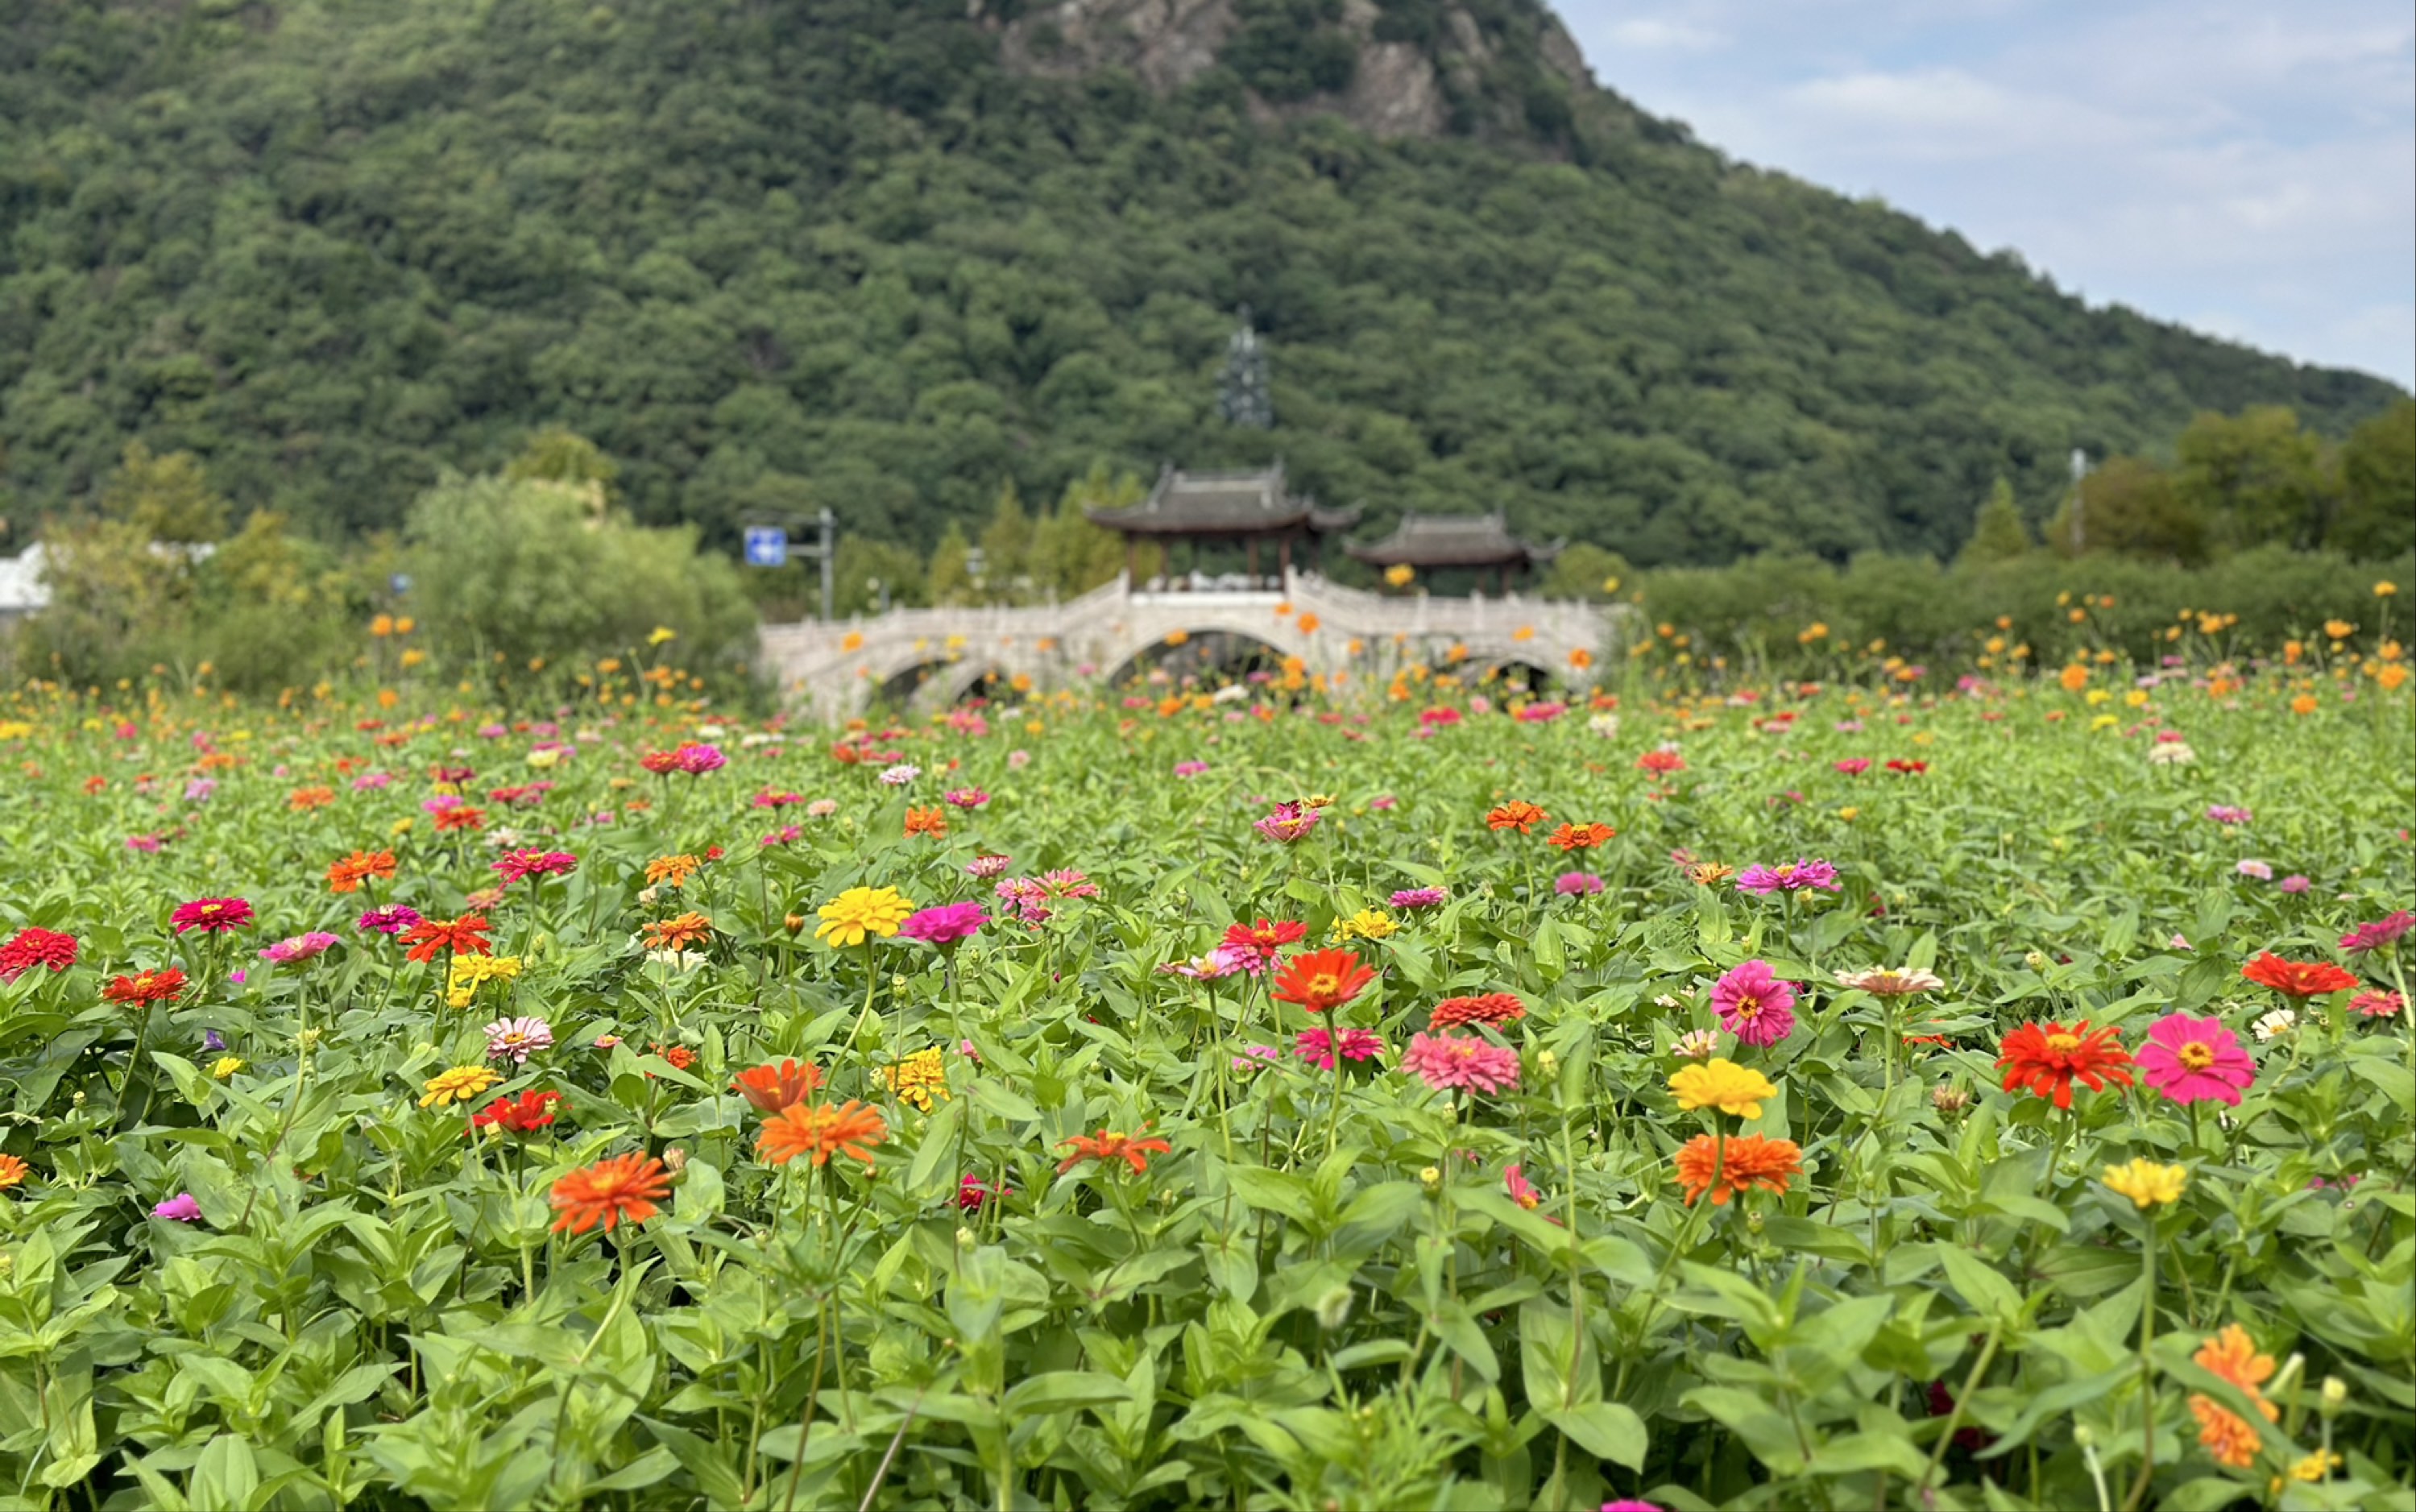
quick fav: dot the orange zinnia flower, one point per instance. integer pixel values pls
(1749, 1161)
(346, 876)
(677, 933)
(2297, 978)
(2232, 1355)
(771, 1088)
(1579, 837)
(626, 1187)
(932, 822)
(1106, 1146)
(461, 816)
(1491, 1007)
(2224, 1433)
(1516, 814)
(821, 1131)
(1321, 980)
(160, 985)
(674, 869)
(465, 936)
(302, 800)
(2046, 1058)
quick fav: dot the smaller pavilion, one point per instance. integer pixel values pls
(1245, 506)
(1428, 543)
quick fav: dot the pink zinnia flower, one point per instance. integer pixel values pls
(517, 1040)
(946, 925)
(1855, 766)
(1456, 1063)
(1189, 768)
(769, 799)
(987, 867)
(2382, 932)
(393, 918)
(698, 759)
(2374, 1003)
(214, 915)
(1576, 884)
(1788, 876)
(372, 781)
(1754, 1004)
(2296, 884)
(1068, 883)
(822, 807)
(965, 797)
(1316, 1047)
(1290, 821)
(2190, 1060)
(145, 843)
(517, 866)
(1419, 897)
(300, 947)
(1696, 1044)
(2258, 869)
(2223, 813)
(1222, 961)
(181, 1208)
(1630, 1505)
(785, 834)
(1540, 713)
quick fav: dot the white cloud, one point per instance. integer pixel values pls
(2246, 165)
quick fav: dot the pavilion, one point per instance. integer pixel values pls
(1245, 506)
(1428, 543)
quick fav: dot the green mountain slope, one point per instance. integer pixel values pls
(886, 254)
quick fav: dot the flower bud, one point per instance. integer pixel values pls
(1431, 1179)
(675, 1159)
(1547, 1064)
(966, 1238)
(2034, 960)
(1950, 1099)
(2335, 1397)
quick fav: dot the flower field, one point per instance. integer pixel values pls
(1816, 1097)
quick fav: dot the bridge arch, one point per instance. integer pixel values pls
(1207, 653)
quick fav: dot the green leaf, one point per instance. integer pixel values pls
(1059, 1391)
(1605, 1430)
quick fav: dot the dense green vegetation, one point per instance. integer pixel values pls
(780, 257)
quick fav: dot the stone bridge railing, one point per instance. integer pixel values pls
(933, 657)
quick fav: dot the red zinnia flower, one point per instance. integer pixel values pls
(1260, 941)
(34, 948)
(1579, 837)
(461, 816)
(1491, 1008)
(1660, 762)
(465, 936)
(160, 985)
(2047, 1058)
(661, 762)
(2297, 978)
(1321, 980)
(525, 1114)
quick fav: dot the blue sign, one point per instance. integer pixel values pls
(767, 546)
(400, 582)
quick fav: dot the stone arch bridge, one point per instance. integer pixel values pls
(930, 657)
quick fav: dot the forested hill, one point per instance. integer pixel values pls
(888, 254)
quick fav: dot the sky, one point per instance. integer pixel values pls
(2244, 167)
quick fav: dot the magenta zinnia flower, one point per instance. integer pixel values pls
(1454, 1062)
(1189, 768)
(1316, 1047)
(214, 915)
(2190, 1060)
(1754, 1004)
(1419, 897)
(698, 759)
(517, 866)
(2223, 813)
(965, 797)
(299, 948)
(1576, 884)
(181, 1208)
(2382, 932)
(393, 918)
(1290, 823)
(1788, 876)
(946, 924)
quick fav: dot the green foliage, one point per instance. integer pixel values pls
(2377, 464)
(167, 498)
(1586, 571)
(1998, 533)
(870, 573)
(1289, 50)
(2256, 476)
(2132, 507)
(522, 571)
(338, 248)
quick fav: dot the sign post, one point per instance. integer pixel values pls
(769, 546)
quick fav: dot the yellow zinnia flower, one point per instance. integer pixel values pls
(460, 1084)
(2145, 1182)
(1368, 924)
(225, 1067)
(918, 1079)
(1723, 1084)
(860, 912)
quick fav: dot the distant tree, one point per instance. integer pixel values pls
(167, 497)
(2378, 486)
(950, 579)
(2130, 508)
(1070, 556)
(114, 608)
(1998, 533)
(2256, 478)
(559, 455)
(866, 570)
(1585, 570)
(1006, 547)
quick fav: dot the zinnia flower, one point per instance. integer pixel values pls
(1317, 981)
(1890, 981)
(624, 1187)
(1745, 1163)
(13, 1171)
(181, 1208)
(1788, 876)
(1419, 897)
(531, 1111)
(1288, 824)
(973, 1194)
(213, 916)
(299, 948)
(985, 867)
(2275, 1025)
(1576, 884)
(161, 986)
(918, 1079)
(517, 1040)
(698, 759)
(1316, 1047)
(1723, 1084)
(346, 876)
(517, 866)
(458, 1084)
(1262, 939)
(33, 947)
(676, 934)
(2376, 1003)
(1754, 1004)
(1219, 963)
(465, 936)
(1513, 1181)
(1516, 814)
(2382, 932)
(2047, 1058)
(1490, 1007)
(964, 797)
(2145, 1182)
(1108, 1145)
(900, 775)
(2223, 1433)
(861, 912)
(771, 1088)
(932, 821)
(1579, 837)
(2189, 1060)
(2261, 870)
(1696, 1044)
(946, 925)
(2226, 814)
(1453, 1062)
(393, 918)
(2297, 978)
(821, 1131)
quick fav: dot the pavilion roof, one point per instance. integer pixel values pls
(1222, 503)
(1455, 540)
